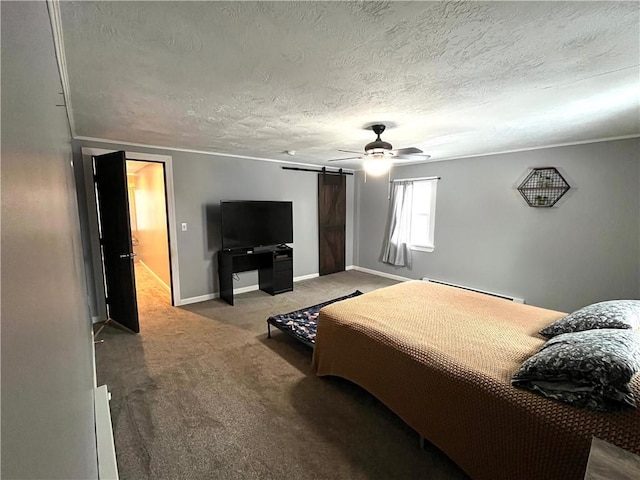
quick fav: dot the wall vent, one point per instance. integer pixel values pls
(107, 463)
(493, 294)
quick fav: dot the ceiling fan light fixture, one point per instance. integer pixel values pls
(379, 153)
(377, 145)
(377, 166)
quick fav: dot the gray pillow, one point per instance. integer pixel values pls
(590, 369)
(623, 314)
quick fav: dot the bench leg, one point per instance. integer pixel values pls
(268, 330)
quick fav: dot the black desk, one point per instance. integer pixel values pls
(275, 270)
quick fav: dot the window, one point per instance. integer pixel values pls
(423, 209)
(412, 208)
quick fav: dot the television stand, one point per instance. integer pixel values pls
(274, 265)
(262, 249)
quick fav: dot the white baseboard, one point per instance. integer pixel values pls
(306, 277)
(250, 288)
(166, 287)
(198, 299)
(381, 274)
(107, 464)
(236, 291)
(253, 288)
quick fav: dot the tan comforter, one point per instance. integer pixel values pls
(442, 359)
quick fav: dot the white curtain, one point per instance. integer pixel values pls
(396, 249)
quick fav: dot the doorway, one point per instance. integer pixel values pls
(94, 261)
(149, 232)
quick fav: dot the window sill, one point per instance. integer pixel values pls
(421, 248)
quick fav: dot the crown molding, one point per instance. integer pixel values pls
(53, 6)
(201, 152)
(555, 145)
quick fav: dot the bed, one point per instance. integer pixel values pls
(442, 359)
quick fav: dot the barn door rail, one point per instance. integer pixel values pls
(323, 170)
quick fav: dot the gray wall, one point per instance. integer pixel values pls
(47, 365)
(583, 250)
(202, 181)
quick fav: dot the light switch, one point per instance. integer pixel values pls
(184, 227)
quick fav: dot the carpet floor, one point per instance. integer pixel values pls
(201, 393)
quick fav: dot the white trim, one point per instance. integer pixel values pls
(58, 45)
(198, 299)
(382, 274)
(107, 464)
(253, 288)
(172, 224)
(213, 296)
(422, 248)
(349, 267)
(416, 179)
(202, 152)
(162, 282)
(92, 152)
(306, 277)
(250, 288)
(147, 157)
(396, 165)
(171, 207)
(93, 363)
(528, 149)
(239, 290)
(140, 156)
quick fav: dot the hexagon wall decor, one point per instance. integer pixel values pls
(543, 187)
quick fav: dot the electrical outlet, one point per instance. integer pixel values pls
(184, 227)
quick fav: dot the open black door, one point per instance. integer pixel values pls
(115, 238)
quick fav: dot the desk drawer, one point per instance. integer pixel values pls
(280, 265)
(282, 281)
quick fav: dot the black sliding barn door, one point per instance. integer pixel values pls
(332, 213)
(115, 238)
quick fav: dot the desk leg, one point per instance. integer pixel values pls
(225, 276)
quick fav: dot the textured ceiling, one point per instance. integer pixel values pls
(258, 78)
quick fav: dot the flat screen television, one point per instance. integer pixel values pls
(249, 223)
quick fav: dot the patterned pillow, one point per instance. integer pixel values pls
(612, 314)
(588, 369)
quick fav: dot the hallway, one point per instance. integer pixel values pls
(150, 292)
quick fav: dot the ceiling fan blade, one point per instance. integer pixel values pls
(351, 151)
(340, 159)
(413, 158)
(407, 151)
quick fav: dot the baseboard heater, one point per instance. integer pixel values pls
(107, 465)
(493, 294)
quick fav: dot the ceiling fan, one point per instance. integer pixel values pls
(379, 155)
